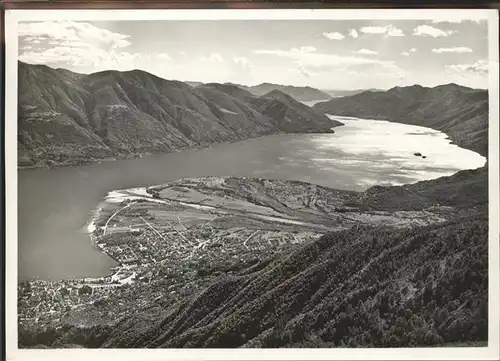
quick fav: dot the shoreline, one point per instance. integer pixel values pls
(92, 215)
(140, 155)
(136, 266)
(132, 156)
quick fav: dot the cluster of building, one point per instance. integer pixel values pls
(162, 264)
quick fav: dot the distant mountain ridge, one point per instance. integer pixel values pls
(194, 84)
(300, 93)
(335, 93)
(303, 94)
(460, 112)
(67, 118)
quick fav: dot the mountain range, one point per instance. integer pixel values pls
(68, 118)
(301, 93)
(336, 93)
(370, 285)
(460, 112)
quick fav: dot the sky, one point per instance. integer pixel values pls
(325, 54)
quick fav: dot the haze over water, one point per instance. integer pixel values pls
(55, 204)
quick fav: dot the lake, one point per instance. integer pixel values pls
(54, 204)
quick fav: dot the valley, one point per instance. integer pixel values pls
(310, 252)
(67, 118)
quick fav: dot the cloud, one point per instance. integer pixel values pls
(82, 46)
(72, 34)
(457, 50)
(408, 53)
(321, 62)
(388, 30)
(373, 29)
(353, 33)
(214, 58)
(100, 60)
(365, 52)
(182, 53)
(394, 32)
(164, 56)
(304, 49)
(455, 20)
(242, 62)
(480, 67)
(305, 73)
(427, 30)
(334, 36)
(55, 55)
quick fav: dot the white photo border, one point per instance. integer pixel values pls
(13, 17)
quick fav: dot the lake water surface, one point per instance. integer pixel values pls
(54, 204)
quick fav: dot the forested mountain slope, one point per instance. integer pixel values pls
(69, 118)
(460, 112)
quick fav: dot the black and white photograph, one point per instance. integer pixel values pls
(252, 179)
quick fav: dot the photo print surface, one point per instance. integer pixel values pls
(240, 183)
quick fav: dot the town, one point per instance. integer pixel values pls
(172, 240)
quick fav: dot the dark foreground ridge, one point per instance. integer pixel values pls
(232, 262)
(67, 118)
